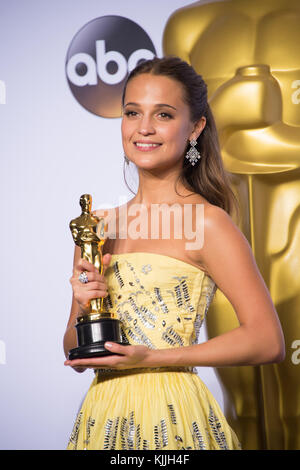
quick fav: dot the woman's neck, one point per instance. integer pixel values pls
(157, 189)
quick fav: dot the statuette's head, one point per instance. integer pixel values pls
(86, 202)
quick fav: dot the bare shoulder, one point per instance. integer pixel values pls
(228, 257)
(225, 251)
(217, 220)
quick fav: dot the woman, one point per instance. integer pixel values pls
(147, 395)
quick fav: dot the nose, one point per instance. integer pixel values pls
(146, 126)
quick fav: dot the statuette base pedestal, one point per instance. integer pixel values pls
(92, 335)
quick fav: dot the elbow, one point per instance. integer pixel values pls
(276, 353)
(272, 346)
(269, 349)
(279, 346)
(279, 356)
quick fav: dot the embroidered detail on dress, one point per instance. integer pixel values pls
(90, 422)
(178, 296)
(216, 428)
(124, 316)
(142, 338)
(197, 437)
(161, 435)
(160, 300)
(146, 268)
(117, 273)
(75, 431)
(207, 294)
(143, 313)
(146, 445)
(183, 299)
(171, 337)
(197, 326)
(110, 437)
(131, 434)
(209, 297)
(128, 431)
(172, 414)
(187, 296)
(144, 292)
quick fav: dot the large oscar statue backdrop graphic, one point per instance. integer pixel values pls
(248, 52)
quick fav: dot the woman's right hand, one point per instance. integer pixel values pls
(95, 287)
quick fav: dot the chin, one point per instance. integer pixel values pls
(145, 162)
(152, 162)
(147, 166)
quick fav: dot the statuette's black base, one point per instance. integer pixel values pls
(92, 335)
(95, 350)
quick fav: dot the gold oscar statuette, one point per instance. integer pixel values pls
(95, 326)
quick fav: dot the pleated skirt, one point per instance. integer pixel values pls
(151, 409)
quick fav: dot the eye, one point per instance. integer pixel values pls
(130, 113)
(165, 115)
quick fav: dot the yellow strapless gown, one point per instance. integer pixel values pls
(162, 302)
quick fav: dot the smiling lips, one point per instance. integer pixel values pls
(146, 146)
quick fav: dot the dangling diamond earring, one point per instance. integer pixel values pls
(126, 159)
(193, 155)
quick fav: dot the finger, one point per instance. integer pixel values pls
(95, 294)
(85, 265)
(117, 348)
(95, 280)
(95, 277)
(93, 362)
(89, 289)
(82, 364)
(95, 285)
(106, 261)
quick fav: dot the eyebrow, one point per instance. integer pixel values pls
(158, 105)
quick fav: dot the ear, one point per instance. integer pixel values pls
(198, 128)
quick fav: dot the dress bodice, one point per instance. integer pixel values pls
(160, 300)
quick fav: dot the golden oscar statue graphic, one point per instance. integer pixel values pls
(248, 52)
(96, 326)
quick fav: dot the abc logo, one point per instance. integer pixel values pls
(99, 59)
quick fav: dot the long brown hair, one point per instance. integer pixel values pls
(208, 176)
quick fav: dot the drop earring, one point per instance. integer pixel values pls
(193, 155)
(126, 159)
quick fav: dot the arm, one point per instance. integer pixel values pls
(70, 337)
(259, 339)
(228, 258)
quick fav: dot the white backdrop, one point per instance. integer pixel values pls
(47, 139)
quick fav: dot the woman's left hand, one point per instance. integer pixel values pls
(125, 357)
